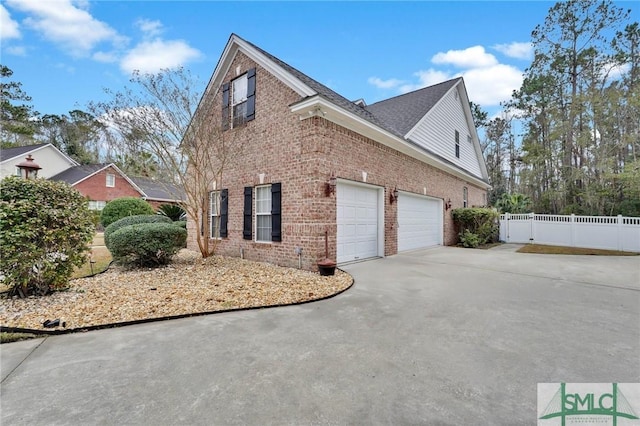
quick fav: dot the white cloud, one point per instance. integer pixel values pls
(152, 56)
(516, 50)
(8, 27)
(149, 28)
(492, 85)
(384, 84)
(472, 57)
(105, 57)
(426, 78)
(15, 50)
(67, 23)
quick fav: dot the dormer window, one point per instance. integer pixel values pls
(239, 100)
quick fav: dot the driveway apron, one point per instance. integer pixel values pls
(438, 336)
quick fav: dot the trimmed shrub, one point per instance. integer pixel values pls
(132, 220)
(146, 244)
(123, 207)
(469, 239)
(45, 231)
(482, 222)
(181, 224)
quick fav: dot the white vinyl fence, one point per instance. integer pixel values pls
(600, 232)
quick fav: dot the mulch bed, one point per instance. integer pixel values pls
(189, 285)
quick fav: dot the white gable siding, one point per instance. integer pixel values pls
(436, 132)
(47, 157)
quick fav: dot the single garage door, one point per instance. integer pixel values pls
(419, 221)
(357, 219)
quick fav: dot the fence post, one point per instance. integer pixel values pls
(573, 229)
(620, 232)
(532, 231)
(507, 218)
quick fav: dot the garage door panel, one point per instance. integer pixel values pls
(419, 222)
(357, 216)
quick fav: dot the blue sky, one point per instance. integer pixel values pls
(65, 52)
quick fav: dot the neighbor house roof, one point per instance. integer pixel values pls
(157, 190)
(7, 154)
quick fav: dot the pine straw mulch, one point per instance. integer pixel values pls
(189, 285)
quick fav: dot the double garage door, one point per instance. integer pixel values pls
(360, 226)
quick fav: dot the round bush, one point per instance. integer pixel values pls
(132, 220)
(146, 244)
(123, 207)
(45, 229)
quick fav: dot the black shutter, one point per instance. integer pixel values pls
(251, 94)
(248, 213)
(225, 106)
(276, 209)
(224, 212)
(204, 211)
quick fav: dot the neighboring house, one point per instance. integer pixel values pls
(100, 183)
(378, 179)
(46, 155)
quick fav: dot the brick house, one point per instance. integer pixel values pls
(100, 183)
(378, 179)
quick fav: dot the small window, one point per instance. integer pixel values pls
(465, 200)
(263, 213)
(97, 205)
(469, 140)
(214, 214)
(457, 144)
(111, 180)
(239, 100)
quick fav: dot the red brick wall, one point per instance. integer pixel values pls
(96, 188)
(301, 154)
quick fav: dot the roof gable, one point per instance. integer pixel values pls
(7, 154)
(389, 122)
(74, 175)
(400, 114)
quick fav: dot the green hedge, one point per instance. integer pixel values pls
(132, 220)
(123, 207)
(477, 225)
(146, 244)
(45, 230)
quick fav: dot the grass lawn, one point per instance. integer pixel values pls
(544, 249)
(101, 259)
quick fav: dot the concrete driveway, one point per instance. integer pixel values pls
(440, 336)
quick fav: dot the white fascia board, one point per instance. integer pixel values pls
(319, 107)
(472, 127)
(236, 44)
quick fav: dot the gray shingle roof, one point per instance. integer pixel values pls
(320, 88)
(77, 173)
(401, 113)
(8, 153)
(156, 190)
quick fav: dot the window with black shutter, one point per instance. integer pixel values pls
(224, 213)
(239, 100)
(248, 213)
(276, 208)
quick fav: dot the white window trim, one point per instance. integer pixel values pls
(213, 217)
(110, 176)
(256, 214)
(465, 197)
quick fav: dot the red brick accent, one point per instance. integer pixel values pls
(302, 154)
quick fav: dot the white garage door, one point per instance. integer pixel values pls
(357, 218)
(419, 222)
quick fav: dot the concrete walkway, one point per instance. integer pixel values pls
(440, 336)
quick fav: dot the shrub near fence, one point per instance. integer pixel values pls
(599, 232)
